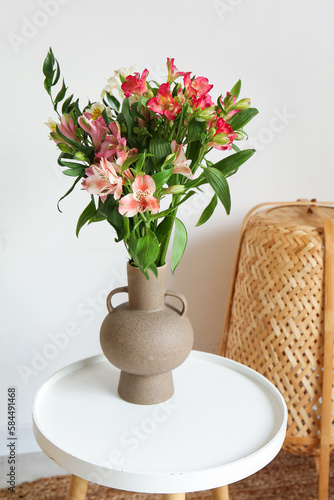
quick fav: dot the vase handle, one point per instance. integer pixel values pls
(181, 297)
(113, 292)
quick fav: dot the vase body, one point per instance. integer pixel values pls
(146, 338)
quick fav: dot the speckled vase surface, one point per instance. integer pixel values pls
(146, 338)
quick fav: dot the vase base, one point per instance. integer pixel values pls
(146, 389)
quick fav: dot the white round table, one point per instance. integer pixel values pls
(224, 423)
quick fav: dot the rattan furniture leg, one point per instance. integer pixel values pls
(280, 317)
(220, 493)
(78, 488)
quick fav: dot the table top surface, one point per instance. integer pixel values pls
(224, 423)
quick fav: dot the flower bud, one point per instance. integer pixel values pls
(221, 139)
(176, 189)
(242, 104)
(207, 114)
(80, 156)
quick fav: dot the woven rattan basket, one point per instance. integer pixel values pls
(280, 317)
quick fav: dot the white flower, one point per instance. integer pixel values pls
(114, 82)
(51, 124)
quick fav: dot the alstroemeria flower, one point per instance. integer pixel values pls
(163, 103)
(223, 137)
(66, 127)
(135, 84)
(141, 198)
(114, 82)
(96, 110)
(181, 163)
(103, 179)
(173, 72)
(197, 87)
(95, 128)
(113, 143)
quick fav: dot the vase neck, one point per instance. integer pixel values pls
(146, 294)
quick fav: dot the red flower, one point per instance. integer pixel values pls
(135, 84)
(163, 103)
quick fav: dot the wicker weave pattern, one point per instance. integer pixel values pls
(276, 320)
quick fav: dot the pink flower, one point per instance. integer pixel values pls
(142, 198)
(202, 102)
(103, 179)
(197, 87)
(181, 163)
(223, 137)
(135, 84)
(173, 72)
(95, 128)
(113, 143)
(163, 103)
(66, 127)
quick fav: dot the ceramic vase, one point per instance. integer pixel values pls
(146, 338)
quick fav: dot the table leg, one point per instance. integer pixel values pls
(173, 496)
(78, 488)
(220, 493)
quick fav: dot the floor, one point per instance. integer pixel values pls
(29, 467)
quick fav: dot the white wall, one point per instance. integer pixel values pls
(53, 284)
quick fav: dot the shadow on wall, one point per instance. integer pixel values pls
(204, 276)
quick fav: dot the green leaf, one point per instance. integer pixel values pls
(56, 78)
(208, 211)
(109, 209)
(229, 166)
(160, 148)
(132, 159)
(65, 148)
(164, 228)
(220, 186)
(160, 178)
(86, 215)
(61, 94)
(73, 164)
(73, 172)
(147, 249)
(66, 103)
(179, 243)
(236, 89)
(48, 65)
(106, 118)
(172, 209)
(126, 115)
(132, 244)
(69, 191)
(113, 102)
(75, 144)
(196, 127)
(241, 118)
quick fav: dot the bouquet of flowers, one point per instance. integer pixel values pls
(149, 142)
